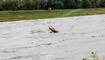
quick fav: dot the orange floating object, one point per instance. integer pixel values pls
(52, 29)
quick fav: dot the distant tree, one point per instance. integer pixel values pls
(80, 4)
(98, 3)
(95, 3)
(27, 4)
(86, 4)
(50, 4)
(58, 4)
(9, 4)
(21, 5)
(43, 4)
(102, 3)
(1, 5)
(37, 4)
(77, 3)
(72, 4)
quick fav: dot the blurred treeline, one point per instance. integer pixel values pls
(54, 4)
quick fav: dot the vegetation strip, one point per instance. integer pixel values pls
(70, 12)
(40, 14)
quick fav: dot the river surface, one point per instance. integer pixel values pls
(32, 40)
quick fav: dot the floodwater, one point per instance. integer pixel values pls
(32, 40)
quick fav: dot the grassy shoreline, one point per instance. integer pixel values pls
(40, 14)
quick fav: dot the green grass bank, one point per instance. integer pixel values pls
(40, 14)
